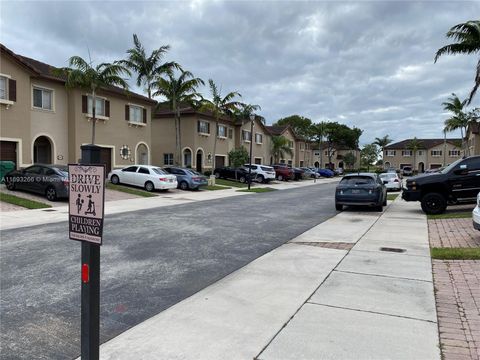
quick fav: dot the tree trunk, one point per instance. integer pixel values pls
(177, 139)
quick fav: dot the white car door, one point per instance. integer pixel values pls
(142, 176)
(127, 175)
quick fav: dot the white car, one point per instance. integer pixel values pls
(265, 173)
(392, 181)
(476, 214)
(146, 176)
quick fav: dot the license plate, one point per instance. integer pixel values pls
(171, 180)
(355, 191)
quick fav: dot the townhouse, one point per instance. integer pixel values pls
(432, 154)
(43, 122)
(473, 139)
(287, 133)
(320, 156)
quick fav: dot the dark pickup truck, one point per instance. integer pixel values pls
(460, 181)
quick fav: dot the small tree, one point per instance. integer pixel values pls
(349, 159)
(238, 157)
(369, 155)
(280, 147)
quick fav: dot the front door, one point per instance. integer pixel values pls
(8, 151)
(106, 159)
(199, 161)
(219, 161)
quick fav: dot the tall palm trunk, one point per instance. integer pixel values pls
(178, 157)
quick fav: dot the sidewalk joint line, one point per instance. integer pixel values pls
(372, 312)
(380, 275)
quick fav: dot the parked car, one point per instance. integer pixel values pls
(326, 173)
(361, 189)
(392, 181)
(308, 172)
(265, 174)
(283, 172)
(476, 214)
(239, 174)
(407, 171)
(187, 179)
(458, 182)
(48, 180)
(298, 174)
(147, 176)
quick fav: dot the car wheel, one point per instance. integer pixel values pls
(338, 207)
(261, 179)
(385, 201)
(184, 185)
(51, 194)
(115, 180)
(149, 186)
(242, 179)
(10, 185)
(379, 208)
(434, 203)
(279, 177)
(217, 175)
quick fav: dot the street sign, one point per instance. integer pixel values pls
(86, 202)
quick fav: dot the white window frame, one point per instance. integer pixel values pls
(291, 144)
(256, 138)
(170, 158)
(42, 89)
(90, 109)
(454, 153)
(420, 153)
(133, 107)
(199, 129)
(225, 132)
(390, 153)
(5, 100)
(438, 153)
(407, 153)
(245, 138)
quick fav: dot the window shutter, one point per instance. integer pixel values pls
(84, 104)
(198, 125)
(107, 108)
(144, 116)
(12, 90)
(127, 112)
(208, 127)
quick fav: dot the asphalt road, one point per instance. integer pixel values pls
(150, 260)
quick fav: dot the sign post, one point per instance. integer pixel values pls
(86, 214)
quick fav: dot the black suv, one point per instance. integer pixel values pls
(460, 181)
(240, 174)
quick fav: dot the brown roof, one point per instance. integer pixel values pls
(424, 143)
(163, 111)
(46, 71)
(277, 130)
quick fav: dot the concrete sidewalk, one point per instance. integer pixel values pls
(305, 301)
(23, 218)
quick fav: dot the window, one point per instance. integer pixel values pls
(282, 161)
(230, 133)
(3, 88)
(436, 153)
(407, 153)
(420, 152)
(99, 106)
(326, 152)
(390, 153)
(302, 146)
(136, 114)
(290, 162)
(131, 169)
(290, 144)
(42, 98)
(143, 170)
(258, 138)
(203, 127)
(168, 159)
(301, 163)
(246, 135)
(222, 131)
(454, 153)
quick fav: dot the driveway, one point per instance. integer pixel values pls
(151, 259)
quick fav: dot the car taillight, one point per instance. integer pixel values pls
(162, 179)
(196, 179)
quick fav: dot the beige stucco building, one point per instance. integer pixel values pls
(473, 139)
(432, 154)
(43, 122)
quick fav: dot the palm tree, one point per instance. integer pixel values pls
(147, 68)
(467, 37)
(83, 75)
(280, 147)
(178, 91)
(414, 145)
(382, 142)
(220, 106)
(459, 120)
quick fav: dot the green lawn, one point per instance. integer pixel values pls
(215, 187)
(455, 253)
(451, 215)
(26, 203)
(392, 197)
(230, 183)
(130, 190)
(258, 190)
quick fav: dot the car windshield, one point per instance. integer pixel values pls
(388, 176)
(62, 170)
(357, 180)
(159, 171)
(451, 166)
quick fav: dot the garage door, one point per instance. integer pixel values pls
(106, 158)
(219, 161)
(8, 151)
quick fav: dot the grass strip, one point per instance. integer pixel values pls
(26, 203)
(455, 253)
(215, 187)
(258, 190)
(452, 215)
(392, 197)
(230, 183)
(129, 190)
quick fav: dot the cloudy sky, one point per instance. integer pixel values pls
(363, 63)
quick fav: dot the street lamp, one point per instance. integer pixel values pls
(252, 120)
